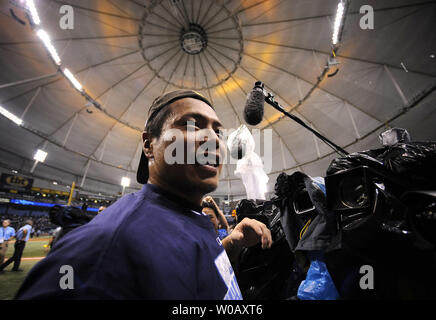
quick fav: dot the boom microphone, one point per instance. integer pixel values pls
(253, 111)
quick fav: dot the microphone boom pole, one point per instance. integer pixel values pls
(269, 98)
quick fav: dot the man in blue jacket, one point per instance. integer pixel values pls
(155, 243)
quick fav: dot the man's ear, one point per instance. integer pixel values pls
(147, 145)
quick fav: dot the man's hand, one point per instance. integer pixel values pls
(247, 233)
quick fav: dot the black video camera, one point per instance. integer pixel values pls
(384, 201)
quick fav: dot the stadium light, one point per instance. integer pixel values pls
(338, 22)
(125, 182)
(33, 12)
(10, 116)
(73, 80)
(47, 43)
(40, 155)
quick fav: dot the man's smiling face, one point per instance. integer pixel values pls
(198, 133)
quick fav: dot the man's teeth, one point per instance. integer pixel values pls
(209, 164)
(212, 164)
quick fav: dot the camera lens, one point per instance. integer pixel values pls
(352, 192)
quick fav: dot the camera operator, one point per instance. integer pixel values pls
(155, 243)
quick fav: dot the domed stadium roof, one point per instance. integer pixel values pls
(125, 53)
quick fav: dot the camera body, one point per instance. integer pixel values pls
(266, 212)
(384, 201)
(374, 201)
(264, 274)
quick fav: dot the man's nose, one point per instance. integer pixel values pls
(209, 135)
(215, 143)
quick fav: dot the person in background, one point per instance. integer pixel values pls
(216, 216)
(101, 209)
(22, 237)
(6, 234)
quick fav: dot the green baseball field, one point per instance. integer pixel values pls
(33, 253)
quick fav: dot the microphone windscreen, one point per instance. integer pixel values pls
(253, 112)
